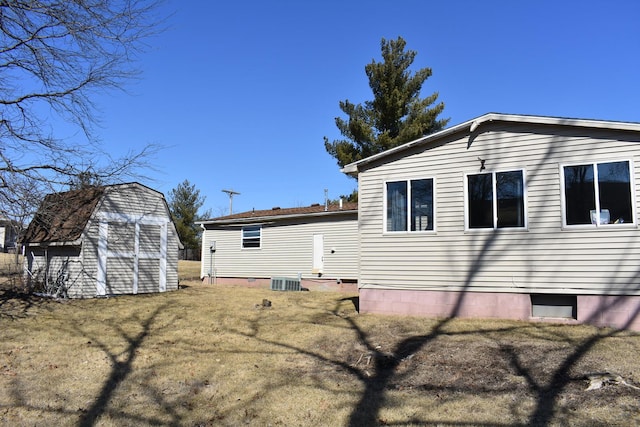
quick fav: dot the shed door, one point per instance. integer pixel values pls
(318, 253)
(132, 256)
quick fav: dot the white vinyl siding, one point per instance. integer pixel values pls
(123, 212)
(287, 249)
(546, 258)
(140, 203)
(149, 275)
(142, 248)
(57, 265)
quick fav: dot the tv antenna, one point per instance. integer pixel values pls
(231, 193)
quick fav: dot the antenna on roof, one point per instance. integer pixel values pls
(326, 200)
(231, 193)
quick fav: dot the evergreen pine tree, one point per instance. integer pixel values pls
(396, 115)
(184, 203)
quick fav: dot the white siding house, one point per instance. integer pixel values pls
(505, 216)
(99, 241)
(315, 243)
(9, 231)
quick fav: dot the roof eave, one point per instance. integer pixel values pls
(473, 124)
(273, 218)
(562, 121)
(77, 242)
(354, 168)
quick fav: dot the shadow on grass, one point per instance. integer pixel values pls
(547, 396)
(355, 301)
(543, 385)
(16, 303)
(122, 366)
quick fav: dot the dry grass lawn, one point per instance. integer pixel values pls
(188, 270)
(208, 355)
(10, 266)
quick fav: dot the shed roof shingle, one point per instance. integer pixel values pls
(62, 217)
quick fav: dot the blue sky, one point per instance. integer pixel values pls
(240, 94)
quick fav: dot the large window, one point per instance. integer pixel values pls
(496, 200)
(410, 205)
(597, 194)
(251, 236)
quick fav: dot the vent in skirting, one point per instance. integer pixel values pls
(285, 284)
(549, 305)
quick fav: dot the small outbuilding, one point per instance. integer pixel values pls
(100, 241)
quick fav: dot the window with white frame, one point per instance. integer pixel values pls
(496, 200)
(598, 193)
(251, 237)
(409, 205)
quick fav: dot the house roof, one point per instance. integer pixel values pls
(285, 213)
(472, 125)
(62, 217)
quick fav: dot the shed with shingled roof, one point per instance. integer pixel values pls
(105, 240)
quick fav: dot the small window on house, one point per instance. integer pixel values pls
(410, 205)
(251, 236)
(557, 306)
(496, 200)
(597, 194)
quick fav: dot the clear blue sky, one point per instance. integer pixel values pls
(241, 93)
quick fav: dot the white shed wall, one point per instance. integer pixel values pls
(119, 205)
(56, 264)
(133, 203)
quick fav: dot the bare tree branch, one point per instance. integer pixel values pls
(55, 56)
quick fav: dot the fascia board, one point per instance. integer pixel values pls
(354, 168)
(473, 124)
(274, 218)
(77, 242)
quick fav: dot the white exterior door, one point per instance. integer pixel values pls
(318, 253)
(132, 255)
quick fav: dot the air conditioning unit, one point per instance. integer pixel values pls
(285, 284)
